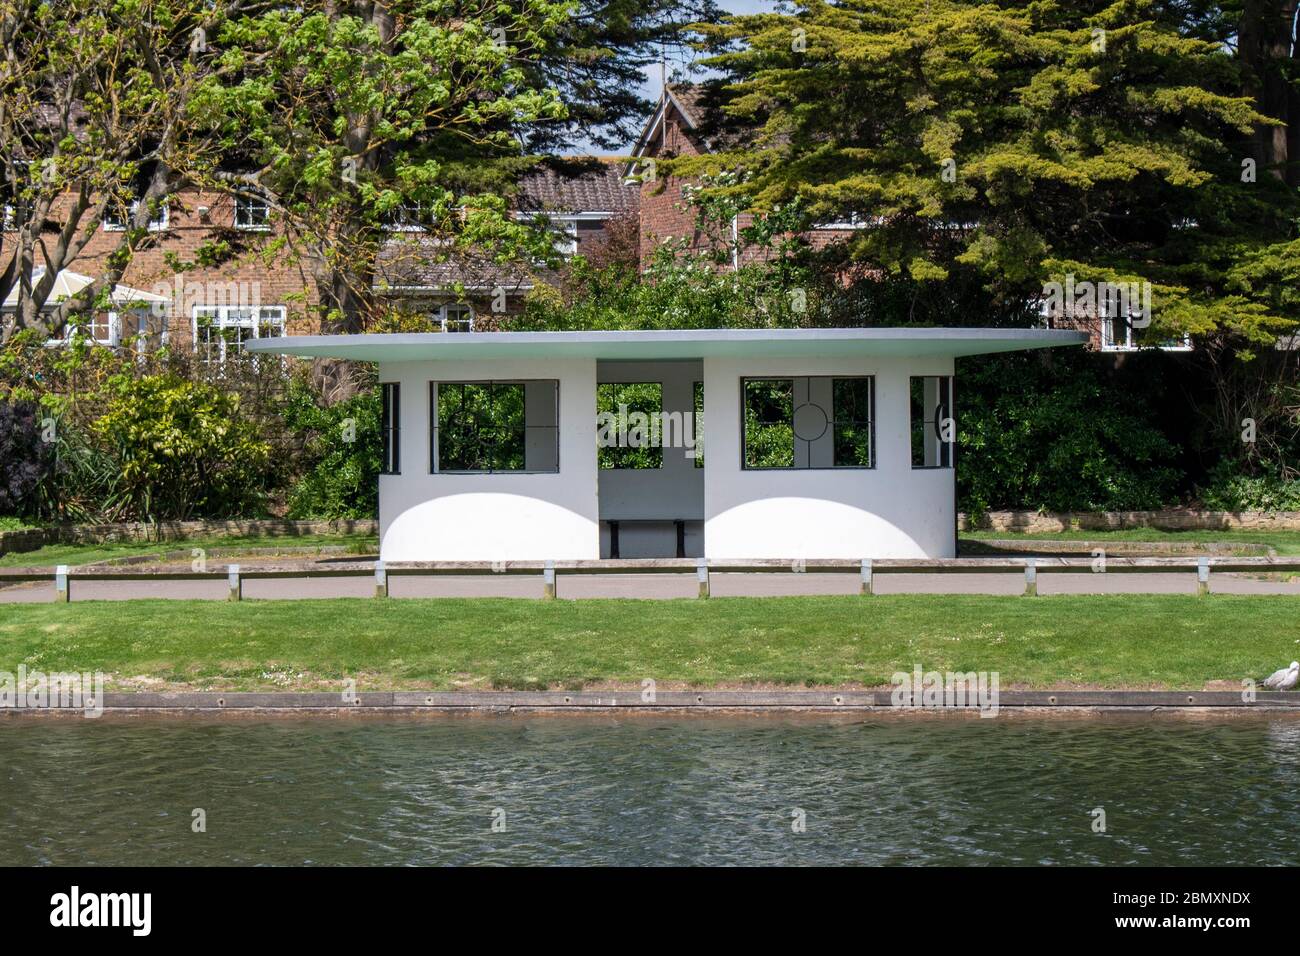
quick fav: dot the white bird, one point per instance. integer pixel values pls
(1284, 679)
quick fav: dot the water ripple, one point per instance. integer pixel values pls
(671, 791)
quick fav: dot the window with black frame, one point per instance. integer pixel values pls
(934, 430)
(817, 421)
(390, 427)
(495, 426)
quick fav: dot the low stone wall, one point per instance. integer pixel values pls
(32, 539)
(1035, 522)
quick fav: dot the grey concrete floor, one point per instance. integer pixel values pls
(652, 586)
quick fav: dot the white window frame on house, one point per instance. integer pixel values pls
(1129, 344)
(247, 202)
(565, 224)
(155, 225)
(456, 317)
(236, 317)
(70, 328)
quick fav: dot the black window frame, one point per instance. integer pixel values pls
(390, 427)
(948, 449)
(832, 421)
(434, 437)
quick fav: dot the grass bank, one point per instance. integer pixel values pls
(75, 554)
(1141, 641)
(1286, 542)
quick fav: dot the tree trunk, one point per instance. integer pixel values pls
(1265, 43)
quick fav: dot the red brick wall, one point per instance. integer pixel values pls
(248, 278)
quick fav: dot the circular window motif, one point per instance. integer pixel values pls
(810, 422)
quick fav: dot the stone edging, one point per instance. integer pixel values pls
(34, 538)
(702, 701)
(1043, 522)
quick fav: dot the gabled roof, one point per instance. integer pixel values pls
(595, 185)
(700, 107)
(420, 264)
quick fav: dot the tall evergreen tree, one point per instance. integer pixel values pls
(1016, 143)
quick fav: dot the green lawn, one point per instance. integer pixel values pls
(74, 554)
(1104, 641)
(1286, 542)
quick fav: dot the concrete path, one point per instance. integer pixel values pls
(652, 586)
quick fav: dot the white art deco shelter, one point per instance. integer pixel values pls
(728, 444)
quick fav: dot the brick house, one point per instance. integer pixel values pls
(689, 121)
(261, 290)
(582, 205)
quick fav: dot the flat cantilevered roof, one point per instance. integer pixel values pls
(665, 344)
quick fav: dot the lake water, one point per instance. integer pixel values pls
(650, 791)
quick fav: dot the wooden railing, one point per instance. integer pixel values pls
(867, 570)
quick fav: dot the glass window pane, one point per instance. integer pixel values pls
(484, 426)
(932, 424)
(769, 423)
(853, 433)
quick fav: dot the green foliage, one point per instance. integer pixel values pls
(343, 447)
(1228, 490)
(354, 115)
(26, 457)
(1023, 140)
(621, 402)
(182, 449)
(481, 427)
(1057, 433)
(85, 484)
(682, 287)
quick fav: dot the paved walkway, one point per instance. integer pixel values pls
(652, 586)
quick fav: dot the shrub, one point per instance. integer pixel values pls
(343, 447)
(1229, 490)
(182, 449)
(1061, 434)
(26, 457)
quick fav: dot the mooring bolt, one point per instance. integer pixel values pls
(702, 573)
(866, 577)
(1031, 578)
(236, 585)
(548, 581)
(62, 589)
(381, 580)
(1203, 577)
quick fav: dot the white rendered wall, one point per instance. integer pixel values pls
(890, 511)
(499, 517)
